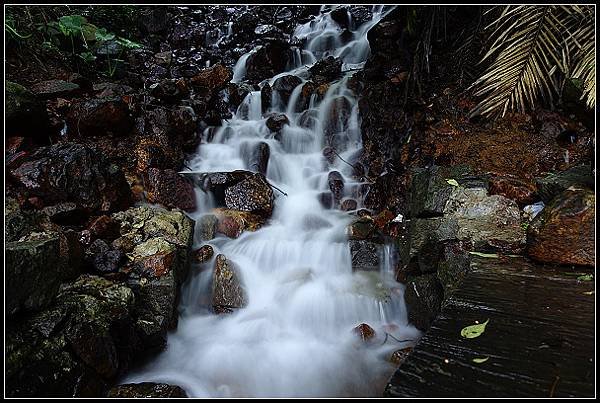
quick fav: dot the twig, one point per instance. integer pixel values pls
(399, 341)
(275, 187)
(335, 152)
(554, 386)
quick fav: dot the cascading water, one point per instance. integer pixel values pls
(294, 338)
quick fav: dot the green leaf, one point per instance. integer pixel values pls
(87, 57)
(588, 293)
(480, 360)
(71, 24)
(89, 31)
(587, 277)
(473, 331)
(103, 35)
(452, 182)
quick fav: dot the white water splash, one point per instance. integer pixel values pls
(295, 336)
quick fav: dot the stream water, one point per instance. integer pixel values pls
(295, 337)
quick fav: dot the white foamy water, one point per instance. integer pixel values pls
(294, 338)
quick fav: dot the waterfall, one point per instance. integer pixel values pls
(295, 336)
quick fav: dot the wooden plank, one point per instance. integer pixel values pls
(539, 340)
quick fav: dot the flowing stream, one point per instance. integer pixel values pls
(295, 337)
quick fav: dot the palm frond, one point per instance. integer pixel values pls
(532, 48)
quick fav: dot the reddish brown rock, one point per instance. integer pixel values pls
(213, 78)
(203, 254)
(399, 356)
(253, 195)
(521, 191)
(157, 265)
(104, 227)
(364, 331)
(233, 222)
(168, 188)
(563, 232)
(99, 117)
(336, 184)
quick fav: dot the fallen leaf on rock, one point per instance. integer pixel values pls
(473, 331)
(490, 255)
(480, 360)
(452, 182)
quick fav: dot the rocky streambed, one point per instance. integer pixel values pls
(250, 205)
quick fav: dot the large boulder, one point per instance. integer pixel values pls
(326, 70)
(285, 85)
(554, 184)
(76, 346)
(146, 389)
(99, 117)
(32, 273)
(25, 115)
(159, 263)
(74, 173)
(253, 195)
(268, 61)
(228, 293)
(563, 232)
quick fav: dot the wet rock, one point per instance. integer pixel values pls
(268, 61)
(563, 232)
(237, 93)
(203, 254)
(341, 16)
(168, 188)
(365, 332)
(32, 273)
(490, 222)
(326, 200)
(276, 121)
(399, 356)
(259, 158)
(285, 85)
(148, 155)
(233, 222)
(365, 255)
(306, 93)
(103, 258)
(207, 225)
(348, 205)
(227, 291)
(218, 182)
(360, 15)
(362, 228)
(424, 230)
(336, 185)
(253, 195)
(146, 389)
(245, 23)
(74, 173)
(54, 88)
(99, 117)
(555, 183)
(77, 345)
(336, 120)
(520, 191)
(266, 93)
(423, 296)
(168, 90)
(159, 264)
(25, 115)
(453, 265)
(430, 189)
(213, 78)
(326, 70)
